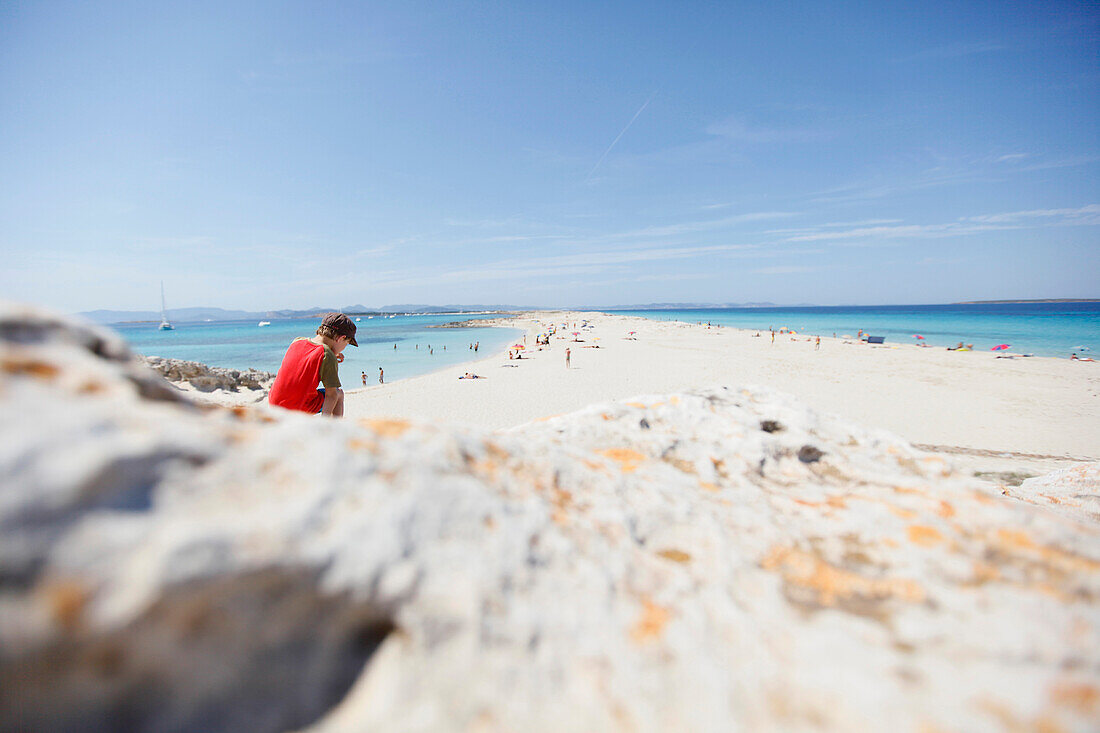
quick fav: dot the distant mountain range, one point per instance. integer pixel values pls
(677, 306)
(192, 315)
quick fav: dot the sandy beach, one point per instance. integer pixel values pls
(997, 415)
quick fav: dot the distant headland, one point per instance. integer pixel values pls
(1037, 300)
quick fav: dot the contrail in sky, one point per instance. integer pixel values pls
(640, 109)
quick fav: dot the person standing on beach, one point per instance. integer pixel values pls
(817, 343)
(380, 376)
(567, 357)
(364, 379)
(313, 360)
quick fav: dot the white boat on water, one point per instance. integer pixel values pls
(165, 324)
(264, 323)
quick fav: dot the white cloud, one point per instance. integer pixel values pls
(701, 226)
(1083, 216)
(582, 263)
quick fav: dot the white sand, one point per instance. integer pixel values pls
(967, 403)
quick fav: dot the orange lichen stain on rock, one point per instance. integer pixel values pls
(387, 428)
(1017, 542)
(708, 486)
(985, 573)
(832, 586)
(983, 498)
(1010, 721)
(675, 555)
(91, 388)
(651, 623)
(1080, 697)
(595, 466)
(628, 459)
(924, 536)
(561, 498)
(1051, 499)
(360, 445)
(489, 466)
(496, 452)
(902, 513)
(30, 368)
(640, 405)
(66, 601)
(945, 510)
(240, 437)
(831, 502)
(605, 416)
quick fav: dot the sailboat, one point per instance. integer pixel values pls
(165, 325)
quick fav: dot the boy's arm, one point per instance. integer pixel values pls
(331, 397)
(330, 378)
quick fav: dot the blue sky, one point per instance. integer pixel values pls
(273, 155)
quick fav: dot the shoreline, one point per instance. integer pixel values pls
(1002, 416)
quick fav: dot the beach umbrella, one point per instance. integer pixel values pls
(632, 332)
(918, 336)
(999, 347)
(1081, 348)
(518, 346)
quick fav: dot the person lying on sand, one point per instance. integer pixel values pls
(467, 375)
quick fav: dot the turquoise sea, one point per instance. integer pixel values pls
(240, 344)
(1042, 329)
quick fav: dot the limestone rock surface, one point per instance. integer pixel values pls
(720, 560)
(1074, 491)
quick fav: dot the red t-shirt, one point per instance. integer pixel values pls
(295, 385)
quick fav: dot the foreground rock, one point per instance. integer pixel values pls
(715, 561)
(1074, 491)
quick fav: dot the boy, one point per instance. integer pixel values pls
(309, 361)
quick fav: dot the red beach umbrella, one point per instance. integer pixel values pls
(1000, 346)
(918, 336)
